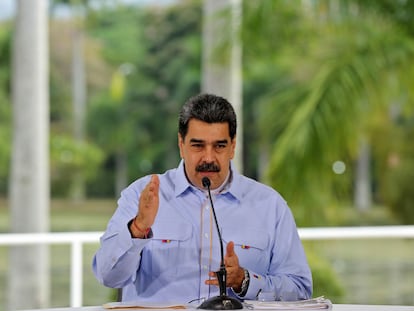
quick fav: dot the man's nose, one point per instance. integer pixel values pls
(209, 154)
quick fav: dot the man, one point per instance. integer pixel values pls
(161, 244)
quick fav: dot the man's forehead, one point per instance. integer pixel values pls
(209, 133)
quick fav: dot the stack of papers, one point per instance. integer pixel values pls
(137, 305)
(319, 303)
(309, 304)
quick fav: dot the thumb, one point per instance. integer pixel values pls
(230, 249)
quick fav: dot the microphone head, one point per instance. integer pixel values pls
(206, 182)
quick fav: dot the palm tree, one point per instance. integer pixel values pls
(29, 177)
(329, 78)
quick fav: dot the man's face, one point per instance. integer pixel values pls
(207, 150)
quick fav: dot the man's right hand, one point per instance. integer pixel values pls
(148, 207)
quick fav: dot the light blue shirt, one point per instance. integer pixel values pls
(172, 265)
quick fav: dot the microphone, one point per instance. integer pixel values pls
(222, 302)
(206, 183)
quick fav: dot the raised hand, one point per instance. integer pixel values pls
(147, 208)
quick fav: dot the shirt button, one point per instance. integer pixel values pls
(206, 235)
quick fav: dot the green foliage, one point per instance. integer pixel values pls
(327, 81)
(108, 123)
(5, 107)
(333, 87)
(118, 28)
(68, 158)
(5, 138)
(398, 175)
(139, 115)
(325, 281)
(400, 12)
(315, 77)
(5, 59)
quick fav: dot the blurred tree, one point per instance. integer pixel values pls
(400, 12)
(29, 192)
(393, 167)
(326, 82)
(74, 158)
(399, 177)
(163, 46)
(67, 157)
(79, 93)
(121, 41)
(78, 9)
(5, 107)
(395, 164)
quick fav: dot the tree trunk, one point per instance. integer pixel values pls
(29, 191)
(121, 171)
(222, 75)
(77, 190)
(363, 189)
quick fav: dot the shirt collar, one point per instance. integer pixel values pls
(232, 187)
(181, 181)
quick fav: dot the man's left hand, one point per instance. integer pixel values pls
(235, 273)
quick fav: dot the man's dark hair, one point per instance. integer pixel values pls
(207, 108)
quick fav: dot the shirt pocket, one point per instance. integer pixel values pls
(251, 246)
(168, 249)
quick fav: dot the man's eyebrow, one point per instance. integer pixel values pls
(195, 140)
(220, 141)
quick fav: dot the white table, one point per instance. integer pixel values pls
(336, 307)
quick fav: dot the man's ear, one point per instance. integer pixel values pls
(180, 145)
(233, 147)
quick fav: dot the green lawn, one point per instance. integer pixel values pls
(372, 271)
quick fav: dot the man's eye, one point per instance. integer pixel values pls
(221, 146)
(197, 145)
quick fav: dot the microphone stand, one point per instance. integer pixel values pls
(222, 302)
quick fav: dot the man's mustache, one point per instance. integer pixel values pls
(208, 167)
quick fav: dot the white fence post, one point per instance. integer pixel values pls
(76, 283)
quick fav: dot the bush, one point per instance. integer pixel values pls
(325, 281)
(397, 191)
(399, 194)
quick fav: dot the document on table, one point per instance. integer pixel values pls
(309, 304)
(138, 305)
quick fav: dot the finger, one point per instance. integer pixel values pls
(148, 202)
(230, 249)
(151, 189)
(231, 259)
(212, 279)
(212, 274)
(154, 182)
(211, 282)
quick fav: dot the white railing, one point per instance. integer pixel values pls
(77, 239)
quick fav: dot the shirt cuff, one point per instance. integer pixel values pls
(256, 284)
(147, 236)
